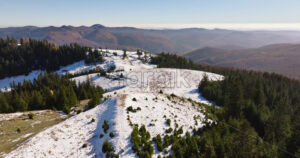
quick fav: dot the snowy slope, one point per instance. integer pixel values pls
(141, 81)
(5, 83)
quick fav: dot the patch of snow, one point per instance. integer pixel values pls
(5, 83)
(4, 117)
(21, 137)
(67, 138)
(35, 123)
(9, 116)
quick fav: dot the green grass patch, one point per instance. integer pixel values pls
(15, 131)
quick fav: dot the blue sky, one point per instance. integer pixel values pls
(149, 13)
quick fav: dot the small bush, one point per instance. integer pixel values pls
(107, 147)
(130, 108)
(111, 134)
(151, 124)
(18, 130)
(101, 135)
(159, 143)
(178, 132)
(169, 122)
(169, 130)
(93, 120)
(30, 116)
(160, 91)
(134, 99)
(169, 98)
(109, 150)
(105, 126)
(84, 145)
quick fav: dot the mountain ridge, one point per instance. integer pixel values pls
(154, 40)
(279, 58)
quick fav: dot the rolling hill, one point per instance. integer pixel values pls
(158, 109)
(156, 41)
(78, 136)
(279, 58)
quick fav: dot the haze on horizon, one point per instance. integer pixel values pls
(244, 14)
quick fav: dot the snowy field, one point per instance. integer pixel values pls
(5, 117)
(150, 86)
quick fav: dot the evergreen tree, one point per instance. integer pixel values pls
(83, 93)
(19, 104)
(62, 100)
(124, 54)
(4, 107)
(71, 96)
(36, 101)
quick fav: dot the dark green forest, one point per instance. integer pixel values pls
(18, 58)
(48, 91)
(260, 114)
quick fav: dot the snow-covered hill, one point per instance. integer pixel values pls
(155, 94)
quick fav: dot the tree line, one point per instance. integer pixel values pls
(48, 91)
(23, 56)
(259, 117)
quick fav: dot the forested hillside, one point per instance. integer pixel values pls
(259, 115)
(48, 91)
(21, 58)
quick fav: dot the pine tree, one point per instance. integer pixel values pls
(36, 101)
(4, 107)
(19, 104)
(260, 98)
(94, 101)
(71, 96)
(124, 54)
(62, 100)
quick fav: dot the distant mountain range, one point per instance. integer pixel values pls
(279, 58)
(156, 41)
(242, 49)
